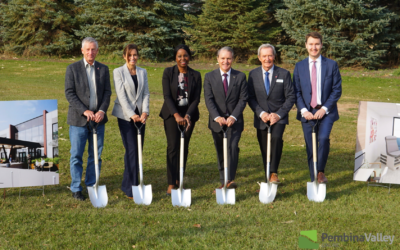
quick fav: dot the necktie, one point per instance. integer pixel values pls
(225, 83)
(314, 85)
(266, 82)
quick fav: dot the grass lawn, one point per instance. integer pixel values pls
(57, 221)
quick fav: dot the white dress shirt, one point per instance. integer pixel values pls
(318, 66)
(270, 71)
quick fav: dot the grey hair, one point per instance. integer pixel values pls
(225, 48)
(90, 40)
(266, 45)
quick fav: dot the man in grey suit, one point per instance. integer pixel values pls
(88, 91)
(271, 96)
(225, 93)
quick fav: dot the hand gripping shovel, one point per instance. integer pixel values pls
(315, 191)
(268, 190)
(181, 197)
(97, 194)
(224, 195)
(142, 194)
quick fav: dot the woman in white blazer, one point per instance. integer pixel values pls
(131, 106)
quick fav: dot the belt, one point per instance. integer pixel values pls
(318, 107)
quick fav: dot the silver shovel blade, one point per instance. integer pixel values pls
(267, 192)
(99, 198)
(316, 192)
(225, 196)
(142, 194)
(181, 198)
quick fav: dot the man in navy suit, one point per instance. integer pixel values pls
(271, 97)
(318, 87)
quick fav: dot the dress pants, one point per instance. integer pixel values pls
(276, 145)
(173, 148)
(131, 159)
(233, 137)
(78, 137)
(323, 131)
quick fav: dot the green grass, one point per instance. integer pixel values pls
(57, 221)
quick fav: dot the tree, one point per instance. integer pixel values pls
(155, 26)
(240, 24)
(356, 32)
(37, 27)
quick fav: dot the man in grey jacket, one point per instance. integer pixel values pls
(88, 91)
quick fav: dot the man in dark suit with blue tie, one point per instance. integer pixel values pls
(318, 87)
(271, 97)
(225, 93)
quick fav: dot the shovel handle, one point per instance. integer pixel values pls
(314, 146)
(96, 159)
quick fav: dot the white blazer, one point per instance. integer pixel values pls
(127, 98)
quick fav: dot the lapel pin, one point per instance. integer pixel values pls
(98, 68)
(276, 76)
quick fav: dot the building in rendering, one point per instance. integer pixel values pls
(27, 136)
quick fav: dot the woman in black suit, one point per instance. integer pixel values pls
(182, 89)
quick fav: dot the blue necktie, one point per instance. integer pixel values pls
(266, 82)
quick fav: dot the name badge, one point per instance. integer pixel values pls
(279, 80)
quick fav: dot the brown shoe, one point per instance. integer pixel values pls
(321, 178)
(231, 185)
(170, 187)
(274, 178)
(218, 188)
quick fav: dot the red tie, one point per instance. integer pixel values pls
(314, 85)
(225, 83)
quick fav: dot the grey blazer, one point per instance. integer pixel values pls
(216, 102)
(127, 98)
(281, 96)
(77, 92)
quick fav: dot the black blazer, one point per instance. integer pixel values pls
(216, 102)
(170, 90)
(281, 96)
(77, 91)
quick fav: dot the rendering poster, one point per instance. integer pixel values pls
(28, 143)
(377, 156)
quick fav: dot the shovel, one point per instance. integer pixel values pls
(181, 197)
(268, 190)
(224, 195)
(142, 194)
(315, 191)
(97, 194)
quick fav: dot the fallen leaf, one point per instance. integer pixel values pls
(287, 222)
(189, 209)
(237, 216)
(133, 246)
(295, 213)
(197, 225)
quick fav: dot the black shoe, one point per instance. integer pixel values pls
(79, 196)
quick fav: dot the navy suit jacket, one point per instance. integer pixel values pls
(280, 99)
(331, 87)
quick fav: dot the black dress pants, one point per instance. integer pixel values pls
(233, 137)
(173, 148)
(129, 139)
(276, 145)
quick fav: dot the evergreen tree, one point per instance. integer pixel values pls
(241, 24)
(356, 32)
(37, 27)
(155, 26)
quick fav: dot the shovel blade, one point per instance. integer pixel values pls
(316, 192)
(181, 198)
(267, 192)
(142, 195)
(225, 196)
(99, 197)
